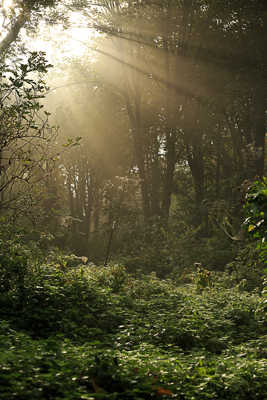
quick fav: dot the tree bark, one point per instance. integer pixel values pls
(260, 129)
(196, 164)
(14, 31)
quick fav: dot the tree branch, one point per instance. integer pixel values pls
(14, 31)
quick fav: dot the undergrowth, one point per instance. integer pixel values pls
(92, 332)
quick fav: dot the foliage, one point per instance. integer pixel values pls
(246, 270)
(256, 209)
(249, 266)
(88, 332)
(203, 278)
(56, 368)
(157, 190)
(170, 249)
(256, 221)
(26, 137)
(181, 147)
(16, 256)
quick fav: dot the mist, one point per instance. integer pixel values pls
(133, 198)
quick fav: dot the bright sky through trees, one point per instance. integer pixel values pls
(55, 40)
(58, 42)
(7, 4)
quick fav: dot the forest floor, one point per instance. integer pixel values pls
(99, 333)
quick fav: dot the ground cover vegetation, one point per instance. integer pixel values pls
(133, 237)
(99, 332)
(73, 330)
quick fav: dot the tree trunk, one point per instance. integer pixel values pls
(260, 129)
(170, 132)
(196, 164)
(14, 31)
(155, 185)
(168, 177)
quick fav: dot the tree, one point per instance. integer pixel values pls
(92, 110)
(178, 78)
(25, 135)
(18, 15)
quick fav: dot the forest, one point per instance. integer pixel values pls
(133, 199)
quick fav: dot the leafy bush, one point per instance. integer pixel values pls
(256, 209)
(91, 332)
(114, 277)
(16, 259)
(249, 266)
(55, 368)
(246, 270)
(256, 221)
(67, 303)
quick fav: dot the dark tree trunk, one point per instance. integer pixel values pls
(168, 178)
(260, 129)
(155, 183)
(196, 164)
(96, 210)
